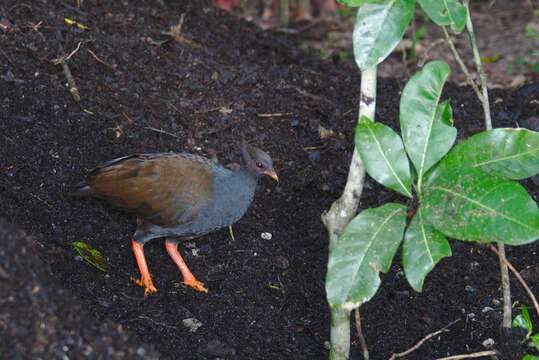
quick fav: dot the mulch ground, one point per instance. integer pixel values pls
(219, 79)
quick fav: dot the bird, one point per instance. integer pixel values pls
(176, 196)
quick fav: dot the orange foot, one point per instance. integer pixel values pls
(195, 284)
(148, 285)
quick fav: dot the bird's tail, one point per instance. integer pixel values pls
(82, 189)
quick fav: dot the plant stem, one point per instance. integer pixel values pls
(340, 334)
(344, 209)
(504, 271)
(521, 280)
(360, 336)
(284, 12)
(481, 72)
(506, 287)
(461, 64)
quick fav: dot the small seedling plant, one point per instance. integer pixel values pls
(467, 192)
(524, 321)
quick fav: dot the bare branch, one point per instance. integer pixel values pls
(470, 356)
(422, 341)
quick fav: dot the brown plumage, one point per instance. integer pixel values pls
(177, 196)
(149, 186)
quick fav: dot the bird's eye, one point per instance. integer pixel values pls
(259, 164)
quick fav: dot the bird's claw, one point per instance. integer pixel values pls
(149, 288)
(195, 284)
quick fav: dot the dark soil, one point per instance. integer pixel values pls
(39, 319)
(145, 92)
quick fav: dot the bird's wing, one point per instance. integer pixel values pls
(164, 189)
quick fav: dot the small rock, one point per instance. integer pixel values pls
(325, 133)
(486, 309)
(192, 324)
(266, 236)
(141, 351)
(488, 343)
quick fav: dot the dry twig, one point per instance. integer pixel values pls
(73, 89)
(470, 356)
(231, 233)
(64, 58)
(99, 60)
(266, 115)
(176, 33)
(161, 131)
(422, 341)
(361, 337)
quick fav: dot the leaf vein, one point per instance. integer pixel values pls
(379, 146)
(484, 206)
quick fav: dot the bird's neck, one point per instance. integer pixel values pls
(233, 193)
(246, 177)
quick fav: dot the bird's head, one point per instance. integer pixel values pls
(258, 161)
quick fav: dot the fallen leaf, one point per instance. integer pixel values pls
(91, 255)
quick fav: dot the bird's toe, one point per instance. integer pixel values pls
(195, 284)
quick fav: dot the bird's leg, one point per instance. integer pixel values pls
(145, 277)
(188, 278)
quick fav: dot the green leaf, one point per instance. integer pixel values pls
(446, 12)
(530, 357)
(352, 3)
(378, 29)
(424, 124)
(382, 152)
(91, 255)
(366, 247)
(469, 204)
(444, 113)
(535, 341)
(423, 247)
(523, 320)
(506, 153)
(457, 13)
(436, 11)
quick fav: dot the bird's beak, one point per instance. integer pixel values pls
(272, 174)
